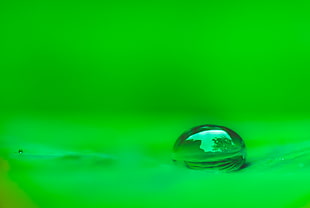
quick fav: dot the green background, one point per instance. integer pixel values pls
(126, 78)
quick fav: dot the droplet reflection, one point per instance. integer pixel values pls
(210, 147)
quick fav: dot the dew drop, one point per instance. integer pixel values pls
(20, 151)
(210, 147)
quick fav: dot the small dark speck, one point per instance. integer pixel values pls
(20, 151)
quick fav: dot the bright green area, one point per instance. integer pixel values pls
(126, 163)
(96, 93)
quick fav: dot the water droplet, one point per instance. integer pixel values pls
(210, 147)
(20, 151)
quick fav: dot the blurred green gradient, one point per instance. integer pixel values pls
(219, 58)
(125, 78)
